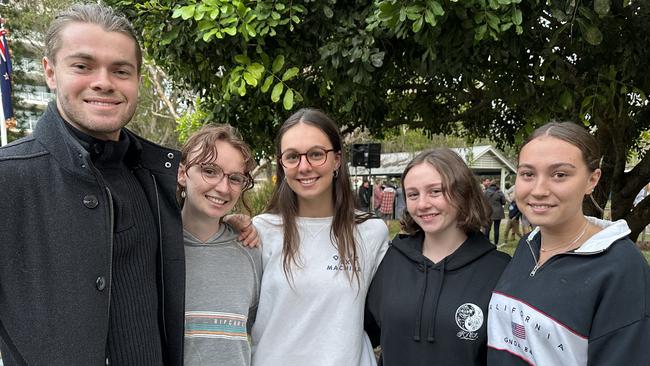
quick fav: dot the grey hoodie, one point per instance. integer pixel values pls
(222, 292)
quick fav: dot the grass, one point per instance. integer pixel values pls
(509, 247)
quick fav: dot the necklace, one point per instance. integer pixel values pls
(566, 245)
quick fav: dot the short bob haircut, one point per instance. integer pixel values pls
(460, 187)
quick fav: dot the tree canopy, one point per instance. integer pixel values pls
(484, 68)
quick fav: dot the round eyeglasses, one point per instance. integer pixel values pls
(316, 156)
(213, 174)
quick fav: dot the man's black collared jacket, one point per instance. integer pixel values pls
(56, 238)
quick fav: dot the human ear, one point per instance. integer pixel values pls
(50, 75)
(594, 177)
(181, 175)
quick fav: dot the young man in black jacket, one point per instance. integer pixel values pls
(91, 256)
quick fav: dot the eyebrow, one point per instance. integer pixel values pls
(552, 166)
(428, 186)
(89, 57)
(318, 146)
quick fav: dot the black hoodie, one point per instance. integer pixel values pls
(425, 313)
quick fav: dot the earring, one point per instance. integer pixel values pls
(336, 173)
(183, 194)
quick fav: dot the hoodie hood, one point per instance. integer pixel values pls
(475, 246)
(601, 241)
(225, 235)
(410, 246)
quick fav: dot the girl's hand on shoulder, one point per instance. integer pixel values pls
(247, 232)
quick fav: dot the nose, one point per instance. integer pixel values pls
(102, 81)
(303, 164)
(222, 185)
(423, 202)
(540, 187)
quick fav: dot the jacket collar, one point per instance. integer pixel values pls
(611, 232)
(52, 133)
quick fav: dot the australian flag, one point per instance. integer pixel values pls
(5, 76)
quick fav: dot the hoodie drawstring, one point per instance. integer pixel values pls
(418, 319)
(432, 325)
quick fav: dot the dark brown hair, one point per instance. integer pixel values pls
(460, 187)
(575, 135)
(285, 203)
(204, 141)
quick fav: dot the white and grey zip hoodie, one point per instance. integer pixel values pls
(589, 306)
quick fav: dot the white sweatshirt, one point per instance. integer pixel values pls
(316, 320)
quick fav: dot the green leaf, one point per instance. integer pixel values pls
(267, 84)
(256, 69)
(559, 14)
(437, 8)
(417, 25)
(250, 79)
(242, 59)
(290, 73)
(516, 16)
(566, 100)
(480, 32)
(591, 33)
(242, 88)
(230, 31)
(328, 11)
(278, 63)
(493, 20)
(185, 12)
(287, 101)
(279, 6)
(277, 92)
(601, 7)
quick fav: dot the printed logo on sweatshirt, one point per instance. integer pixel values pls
(210, 324)
(469, 318)
(520, 329)
(345, 265)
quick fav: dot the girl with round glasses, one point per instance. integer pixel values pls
(319, 254)
(222, 276)
(577, 291)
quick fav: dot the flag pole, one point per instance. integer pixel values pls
(3, 124)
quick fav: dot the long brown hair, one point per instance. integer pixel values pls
(204, 141)
(460, 187)
(285, 203)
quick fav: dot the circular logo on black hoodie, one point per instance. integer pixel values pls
(469, 318)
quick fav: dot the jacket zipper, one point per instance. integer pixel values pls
(538, 266)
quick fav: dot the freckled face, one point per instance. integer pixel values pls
(310, 183)
(426, 202)
(552, 180)
(95, 78)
